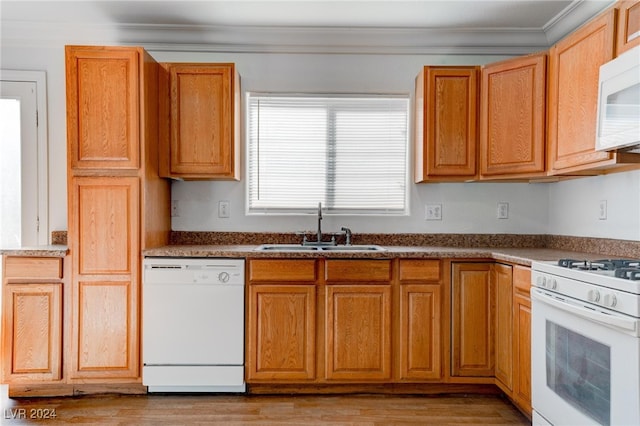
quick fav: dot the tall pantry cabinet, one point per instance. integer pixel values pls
(117, 205)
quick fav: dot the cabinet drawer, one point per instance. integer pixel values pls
(522, 279)
(341, 270)
(419, 270)
(282, 270)
(33, 267)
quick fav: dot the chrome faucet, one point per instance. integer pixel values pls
(319, 236)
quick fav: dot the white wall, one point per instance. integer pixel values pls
(560, 208)
(574, 206)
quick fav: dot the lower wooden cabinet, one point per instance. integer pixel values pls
(420, 347)
(358, 332)
(503, 343)
(472, 324)
(32, 325)
(522, 338)
(334, 321)
(281, 332)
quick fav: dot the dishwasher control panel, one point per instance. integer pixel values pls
(218, 271)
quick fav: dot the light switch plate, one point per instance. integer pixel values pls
(602, 210)
(433, 212)
(223, 209)
(503, 210)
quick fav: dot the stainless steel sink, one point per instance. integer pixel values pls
(363, 247)
(286, 247)
(337, 248)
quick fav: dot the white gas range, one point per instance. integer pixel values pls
(585, 335)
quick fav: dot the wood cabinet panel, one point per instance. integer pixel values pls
(412, 270)
(358, 332)
(105, 330)
(472, 320)
(282, 332)
(574, 66)
(420, 327)
(512, 119)
(32, 332)
(357, 270)
(628, 25)
(32, 267)
(522, 338)
(502, 279)
(283, 270)
(199, 104)
(522, 352)
(103, 126)
(446, 119)
(104, 224)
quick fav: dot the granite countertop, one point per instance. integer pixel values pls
(521, 256)
(53, 250)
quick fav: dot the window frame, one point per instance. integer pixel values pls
(326, 209)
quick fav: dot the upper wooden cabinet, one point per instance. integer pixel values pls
(199, 121)
(574, 68)
(628, 25)
(446, 130)
(103, 106)
(512, 118)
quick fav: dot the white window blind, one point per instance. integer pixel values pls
(348, 152)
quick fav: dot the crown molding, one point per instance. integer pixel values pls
(294, 39)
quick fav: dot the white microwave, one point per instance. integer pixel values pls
(618, 125)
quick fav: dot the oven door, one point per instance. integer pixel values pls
(584, 363)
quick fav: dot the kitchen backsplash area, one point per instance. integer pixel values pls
(571, 208)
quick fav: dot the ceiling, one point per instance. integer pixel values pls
(309, 24)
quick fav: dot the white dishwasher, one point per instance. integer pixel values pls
(193, 325)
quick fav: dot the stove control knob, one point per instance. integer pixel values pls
(542, 281)
(610, 300)
(553, 284)
(223, 277)
(593, 295)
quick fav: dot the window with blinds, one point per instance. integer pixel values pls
(347, 152)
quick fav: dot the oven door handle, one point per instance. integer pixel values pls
(626, 325)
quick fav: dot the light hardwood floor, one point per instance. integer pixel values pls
(264, 410)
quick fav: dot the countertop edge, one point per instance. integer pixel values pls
(37, 251)
(520, 256)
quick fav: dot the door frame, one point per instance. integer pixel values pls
(42, 167)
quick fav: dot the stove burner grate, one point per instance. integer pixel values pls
(628, 269)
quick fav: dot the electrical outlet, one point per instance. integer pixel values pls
(174, 208)
(503, 210)
(602, 210)
(433, 212)
(223, 209)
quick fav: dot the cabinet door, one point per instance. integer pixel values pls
(201, 120)
(628, 25)
(103, 111)
(472, 320)
(281, 333)
(502, 279)
(32, 333)
(358, 332)
(522, 338)
(446, 123)
(574, 67)
(104, 231)
(512, 119)
(420, 343)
